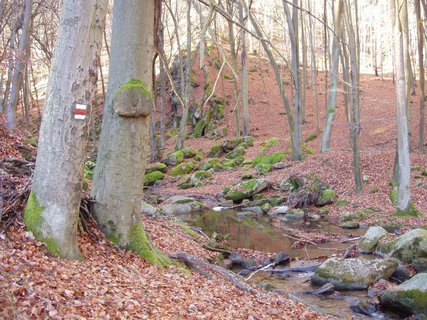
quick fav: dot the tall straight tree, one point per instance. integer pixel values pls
(52, 210)
(118, 179)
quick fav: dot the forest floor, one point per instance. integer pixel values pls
(114, 284)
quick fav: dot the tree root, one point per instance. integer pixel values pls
(196, 264)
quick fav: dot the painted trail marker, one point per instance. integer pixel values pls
(80, 111)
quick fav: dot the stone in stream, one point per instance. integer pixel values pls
(181, 205)
(281, 258)
(371, 238)
(354, 273)
(367, 308)
(408, 298)
(278, 210)
(411, 247)
(350, 225)
(246, 189)
(294, 214)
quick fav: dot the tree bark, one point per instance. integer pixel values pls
(420, 36)
(53, 207)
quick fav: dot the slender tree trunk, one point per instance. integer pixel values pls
(332, 98)
(12, 40)
(53, 206)
(244, 74)
(420, 36)
(20, 63)
(404, 193)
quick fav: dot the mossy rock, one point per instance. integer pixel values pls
(174, 158)
(311, 137)
(215, 151)
(152, 177)
(199, 128)
(209, 164)
(176, 205)
(408, 298)
(158, 166)
(238, 152)
(424, 173)
(246, 189)
(189, 153)
(354, 273)
(371, 238)
(183, 168)
(249, 140)
(232, 144)
(263, 168)
(270, 159)
(198, 177)
(327, 196)
(351, 224)
(248, 176)
(410, 212)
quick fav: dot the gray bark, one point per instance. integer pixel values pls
(244, 74)
(420, 34)
(332, 98)
(404, 193)
(118, 178)
(18, 74)
(58, 176)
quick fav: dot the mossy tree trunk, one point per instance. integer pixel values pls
(53, 206)
(118, 179)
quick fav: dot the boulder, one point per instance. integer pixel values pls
(327, 196)
(410, 247)
(215, 151)
(181, 205)
(209, 164)
(294, 214)
(151, 178)
(354, 273)
(158, 166)
(197, 178)
(407, 298)
(189, 153)
(182, 168)
(149, 209)
(278, 210)
(238, 152)
(350, 225)
(263, 168)
(232, 144)
(174, 158)
(246, 189)
(371, 238)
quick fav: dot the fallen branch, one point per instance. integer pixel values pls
(350, 240)
(259, 270)
(193, 262)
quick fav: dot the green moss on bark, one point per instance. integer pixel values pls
(141, 244)
(135, 84)
(33, 219)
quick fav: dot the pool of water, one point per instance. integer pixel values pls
(259, 233)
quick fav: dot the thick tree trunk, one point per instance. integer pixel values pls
(20, 64)
(52, 209)
(118, 179)
(420, 36)
(244, 74)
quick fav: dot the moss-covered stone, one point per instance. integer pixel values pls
(141, 244)
(246, 189)
(199, 128)
(327, 196)
(215, 151)
(263, 168)
(33, 220)
(270, 159)
(198, 177)
(249, 140)
(174, 158)
(189, 153)
(158, 166)
(232, 144)
(237, 152)
(209, 163)
(183, 168)
(151, 178)
(133, 99)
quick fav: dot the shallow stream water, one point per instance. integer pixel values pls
(261, 234)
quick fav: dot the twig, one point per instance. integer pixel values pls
(261, 269)
(349, 240)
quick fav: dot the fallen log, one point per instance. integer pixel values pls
(196, 264)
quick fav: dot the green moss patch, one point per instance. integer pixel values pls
(141, 244)
(135, 84)
(152, 177)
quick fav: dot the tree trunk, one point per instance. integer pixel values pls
(420, 36)
(404, 193)
(21, 57)
(53, 206)
(118, 179)
(244, 74)
(332, 98)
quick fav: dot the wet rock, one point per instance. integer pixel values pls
(294, 214)
(350, 225)
(149, 210)
(401, 274)
(408, 298)
(313, 216)
(354, 273)
(158, 166)
(324, 290)
(257, 210)
(174, 158)
(367, 308)
(246, 189)
(410, 247)
(181, 205)
(236, 259)
(275, 211)
(265, 207)
(281, 258)
(371, 238)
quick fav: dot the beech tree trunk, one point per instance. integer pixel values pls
(118, 179)
(20, 65)
(52, 210)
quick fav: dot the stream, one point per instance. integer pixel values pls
(261, 234)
